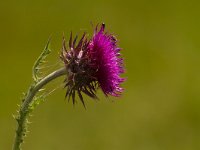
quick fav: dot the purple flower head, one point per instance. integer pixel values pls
(92, 64)
(104, 53)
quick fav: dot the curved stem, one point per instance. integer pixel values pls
(23, 112)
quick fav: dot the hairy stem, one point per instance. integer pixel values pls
(24, 108)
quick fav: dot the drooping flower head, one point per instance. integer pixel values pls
(93, 64)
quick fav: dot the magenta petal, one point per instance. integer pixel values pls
(104, 53)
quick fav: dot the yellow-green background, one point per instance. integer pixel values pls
(160, 108)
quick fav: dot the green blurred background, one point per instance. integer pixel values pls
(160, 108)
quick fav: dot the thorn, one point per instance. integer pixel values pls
(70, 40)
(81, 41)
(48, 42)
(67, 93)
(67, 84)
(64, 44)
(81, 98)
(41, 90)
(73, 97)
(103, 26)
(74, 42)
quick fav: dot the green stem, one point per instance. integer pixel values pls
(24, 109)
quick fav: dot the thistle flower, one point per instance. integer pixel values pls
(89, 64)
(92, 64)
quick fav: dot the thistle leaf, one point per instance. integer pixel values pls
(40, 60)
(37, 100)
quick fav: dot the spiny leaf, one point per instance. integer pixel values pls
(40, 60)
(37, 100)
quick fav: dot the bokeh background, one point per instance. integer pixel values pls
(160, 108)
